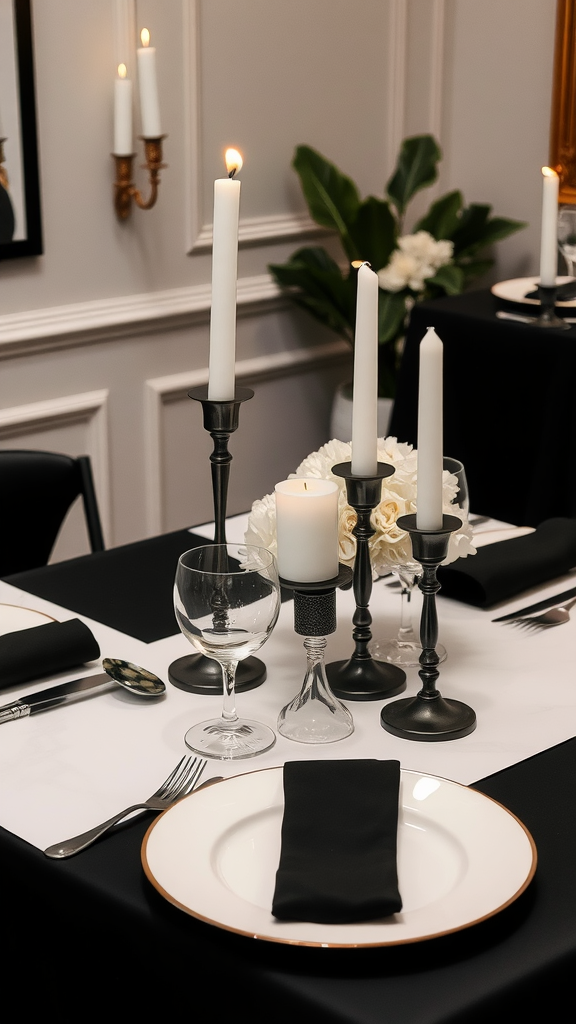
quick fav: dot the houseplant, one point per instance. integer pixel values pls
(444, 253)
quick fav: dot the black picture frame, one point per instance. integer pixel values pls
(31, 244)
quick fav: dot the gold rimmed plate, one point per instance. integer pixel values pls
(13, 617)
(462, 858)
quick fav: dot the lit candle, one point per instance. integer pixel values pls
(122, 113)
(149, 107)
(429, 490)
(307, 529)
(224, 283)
(549, 236)
(365, 393)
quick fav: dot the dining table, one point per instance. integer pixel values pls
(93, 929)
(509, 402)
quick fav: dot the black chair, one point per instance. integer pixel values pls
(36, 491)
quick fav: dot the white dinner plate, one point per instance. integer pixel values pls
(462, 857)
(13, 618)
(516, 289)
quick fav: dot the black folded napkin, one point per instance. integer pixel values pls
(45, 650)
(500, 571)
(338, 858)
(564, 292)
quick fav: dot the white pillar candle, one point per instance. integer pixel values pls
(549, 235)
(307, 529)
(224, 283)
(149, 106)
(122, 113)
(429, 490)
(365, 394)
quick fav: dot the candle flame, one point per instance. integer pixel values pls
(234, 162)
(145, 37)
(121, 71)
(548, 172)
(360, 263)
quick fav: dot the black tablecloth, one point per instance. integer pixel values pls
(509, 406)
(96, 919)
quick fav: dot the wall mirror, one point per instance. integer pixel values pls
(20, 223)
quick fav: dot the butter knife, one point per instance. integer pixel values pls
(540, 606)
(64, 693)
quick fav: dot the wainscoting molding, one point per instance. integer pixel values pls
(161, 391)
(56, 327)
(89, 409)
(253, 230)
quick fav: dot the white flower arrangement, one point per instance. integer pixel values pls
(416, 259)
(389, 546)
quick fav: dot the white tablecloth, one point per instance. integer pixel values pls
(64, 770)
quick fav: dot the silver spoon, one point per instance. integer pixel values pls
(138, 680)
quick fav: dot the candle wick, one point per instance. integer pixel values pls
(305, 486)
(232, 172)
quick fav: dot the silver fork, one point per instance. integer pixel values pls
(179, 783)
(552, 617)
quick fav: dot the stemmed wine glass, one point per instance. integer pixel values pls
(567, 236)
(227, 600)
(405, 649)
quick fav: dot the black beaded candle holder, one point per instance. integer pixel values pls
(194, 672)
(428, 716)
(548, 316)
(362, 678)
(315, 715)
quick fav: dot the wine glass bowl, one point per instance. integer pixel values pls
(405, 649)
(227, 600)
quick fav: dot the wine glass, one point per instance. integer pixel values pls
(567, 236)
(227, 600)
(405, 649)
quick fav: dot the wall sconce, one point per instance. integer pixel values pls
(124, 188)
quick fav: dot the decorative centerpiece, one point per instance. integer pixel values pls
(442, 255)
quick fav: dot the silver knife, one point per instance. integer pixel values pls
(52, 697)
(540, 606)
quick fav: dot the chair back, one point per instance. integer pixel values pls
(36, 491)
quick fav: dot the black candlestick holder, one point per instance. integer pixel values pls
(315, 715)
(428, 715)
(195, 672)
(548, 316)
(362, 678)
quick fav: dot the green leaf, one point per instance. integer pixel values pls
(316, 284)
(474, 268)
(374, 232)
(442, 218)
(450, 279)
(493, 230)
(332, 197)
(391, 314)
(416, 168)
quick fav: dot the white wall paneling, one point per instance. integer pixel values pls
(75, 425)
(163, 392)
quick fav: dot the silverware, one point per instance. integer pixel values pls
(179, 783)
(553, 617)
(540, 606)
(503, 315)
(138, 680)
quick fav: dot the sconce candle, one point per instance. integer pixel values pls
(149, 106)
(307, 529)
(224, 282)
(122, 113)
(365, 393)
(429, 489)
(549, 236)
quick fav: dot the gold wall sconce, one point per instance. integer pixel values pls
(125, 190)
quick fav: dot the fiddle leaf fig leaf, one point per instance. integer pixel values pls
(332, 198)
(416, 169)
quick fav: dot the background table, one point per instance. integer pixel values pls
(94, 921)
(509, 406)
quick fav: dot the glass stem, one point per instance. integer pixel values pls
(406, 631)
(229, 704)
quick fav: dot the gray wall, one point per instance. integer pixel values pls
(102, 336)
